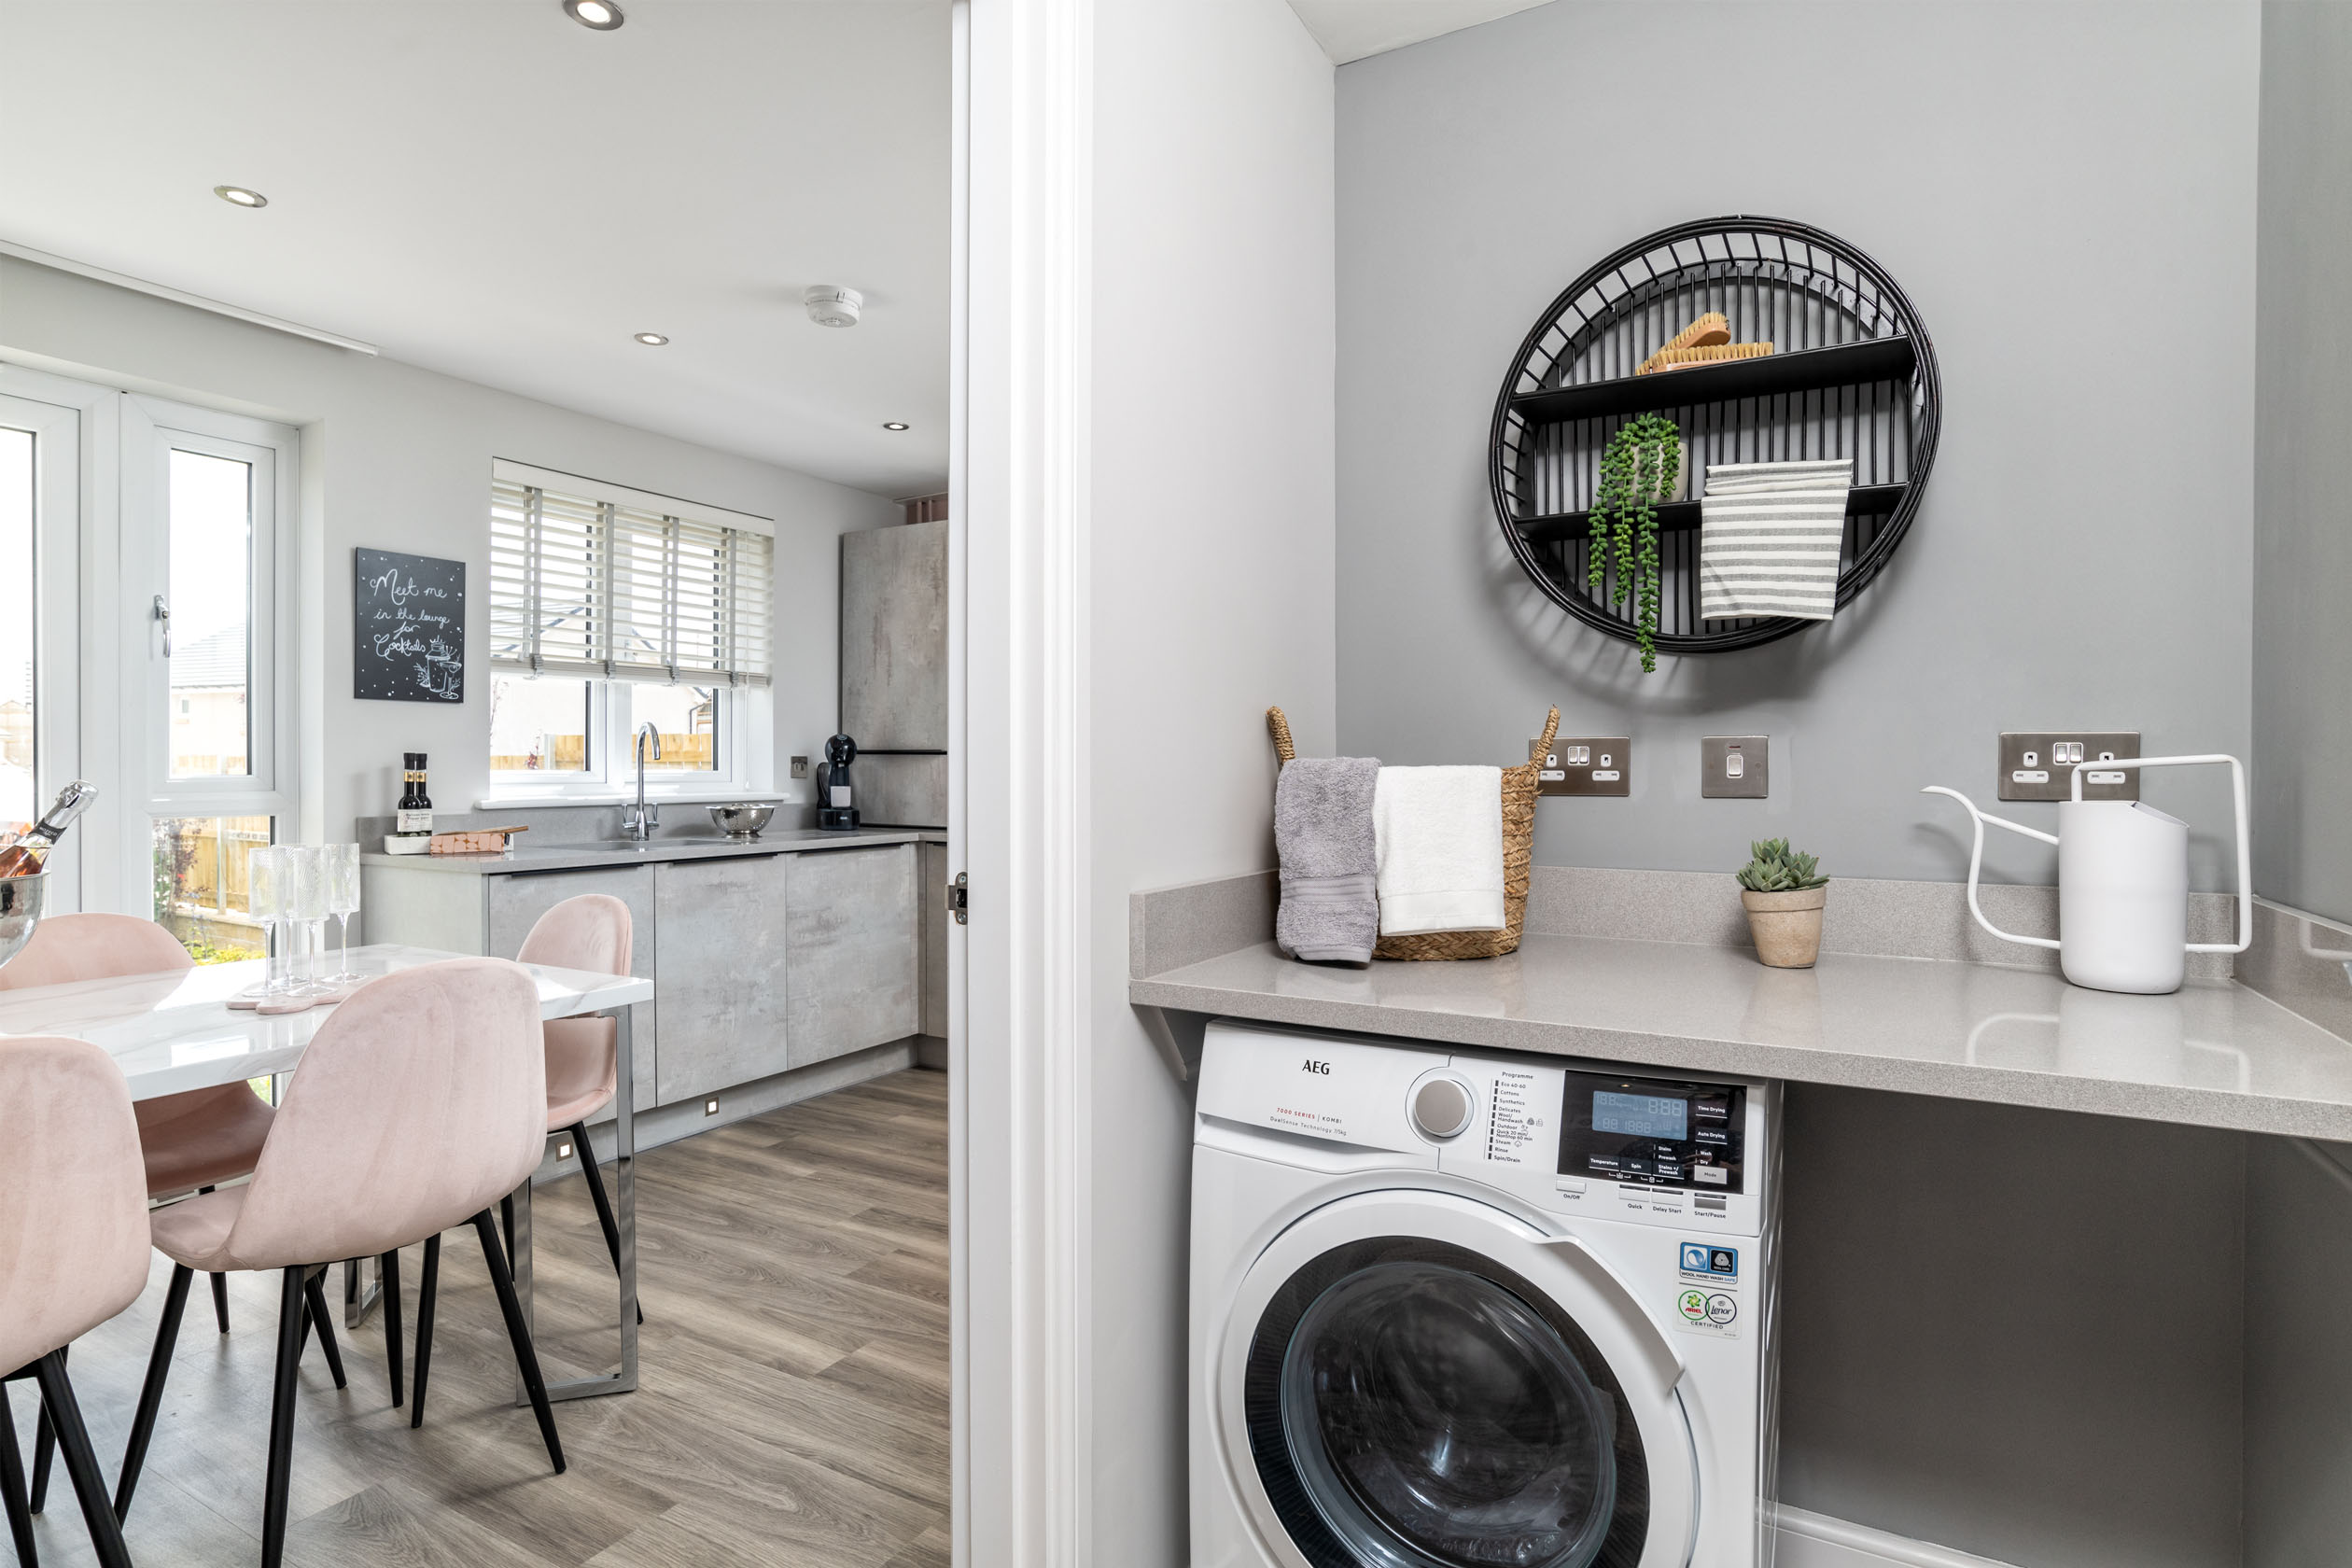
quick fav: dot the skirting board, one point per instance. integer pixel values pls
(1809, 1540)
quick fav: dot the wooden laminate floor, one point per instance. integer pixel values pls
(793, 1406)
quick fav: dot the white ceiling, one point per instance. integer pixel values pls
(1352, 29)
(487, 188)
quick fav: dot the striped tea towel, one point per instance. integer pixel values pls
(1768, 539)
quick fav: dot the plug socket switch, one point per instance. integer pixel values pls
(1584, 765)
(1735, 767)
(2039, 765)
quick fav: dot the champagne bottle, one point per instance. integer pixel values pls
(28, 854)
(412, 818)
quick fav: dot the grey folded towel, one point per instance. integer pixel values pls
(1330, 911)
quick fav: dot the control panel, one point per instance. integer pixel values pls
(1653, 1131)
(1663, 1151)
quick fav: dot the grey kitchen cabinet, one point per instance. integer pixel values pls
(723, 982)
(851, 952)
(513, 903)
(931, 912)
(894, 636)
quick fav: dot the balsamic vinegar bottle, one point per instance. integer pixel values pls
(413, 820)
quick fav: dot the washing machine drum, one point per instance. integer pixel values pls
(1413, 1402)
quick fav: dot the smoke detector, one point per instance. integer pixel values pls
(832, 306)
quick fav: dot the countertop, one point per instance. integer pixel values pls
(526, 857)
(2215, 1053)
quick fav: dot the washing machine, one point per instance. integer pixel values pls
(1455, 1308)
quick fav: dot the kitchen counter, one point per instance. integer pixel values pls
(527, 857)
(2216, 1054)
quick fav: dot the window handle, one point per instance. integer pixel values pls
(164, 614)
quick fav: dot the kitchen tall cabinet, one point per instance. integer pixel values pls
(894, 670)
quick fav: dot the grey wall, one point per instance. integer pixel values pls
(398, 458)
(2065, 191)
(1210, 584)
(2303, 548)
(2014, 1333)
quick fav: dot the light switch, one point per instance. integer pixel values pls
(1735, 767)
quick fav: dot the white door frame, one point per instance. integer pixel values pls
(1017, 814)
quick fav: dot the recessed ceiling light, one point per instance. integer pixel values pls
(602, 15)
(894, 425)
(239, 196)
(651, 339)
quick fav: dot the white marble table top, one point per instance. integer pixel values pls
(173, 1032)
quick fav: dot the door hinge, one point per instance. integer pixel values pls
(958, 898)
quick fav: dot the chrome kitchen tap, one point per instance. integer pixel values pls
(639, 821)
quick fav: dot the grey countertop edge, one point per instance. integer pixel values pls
(566, 857)
(2231, 1110)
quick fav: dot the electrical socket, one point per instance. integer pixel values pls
(800, 767)
(2039, 765)
(1584, 765)
(1735, 767)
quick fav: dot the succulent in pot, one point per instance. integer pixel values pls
(1784, 892)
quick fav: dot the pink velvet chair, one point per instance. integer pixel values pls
(73, 1251)
(590, 931)
(417, 1107)
(190, 1141)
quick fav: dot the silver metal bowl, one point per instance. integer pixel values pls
(20, 901)
(742, 820)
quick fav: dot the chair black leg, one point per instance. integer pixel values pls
(506, 1222)
(596, 1192)
(314, 1292)
(151, 1392)
(81, 1465)
(425, 1286)
(220, 1290)
(519, 1332)
(290, 1363)
(44, 1449)
(389, 1292)
(20, 1509)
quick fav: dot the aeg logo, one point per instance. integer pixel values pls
(1323, 1067)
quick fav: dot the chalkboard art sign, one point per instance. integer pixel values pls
(407, 627)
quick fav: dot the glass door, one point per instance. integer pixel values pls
(40, 484)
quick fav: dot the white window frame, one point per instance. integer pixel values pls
(69, 420)
(745, 753)
(744, 724)
(152, 430)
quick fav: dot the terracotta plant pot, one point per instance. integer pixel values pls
(1787, 926)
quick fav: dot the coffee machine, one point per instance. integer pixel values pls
(836, 805)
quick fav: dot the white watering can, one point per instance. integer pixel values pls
(2123, 884)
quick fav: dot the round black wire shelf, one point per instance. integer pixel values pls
(1853, 374)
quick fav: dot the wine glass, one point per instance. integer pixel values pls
(265, 898)
(342, 902)
(306, 908)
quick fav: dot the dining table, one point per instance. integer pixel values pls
(175, 1031)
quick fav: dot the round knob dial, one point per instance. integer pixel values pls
(1441, 1106)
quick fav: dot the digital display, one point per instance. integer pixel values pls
(1664, 1118)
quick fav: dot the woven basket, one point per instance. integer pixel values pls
(1519, 849)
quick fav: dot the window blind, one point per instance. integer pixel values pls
(598, 587)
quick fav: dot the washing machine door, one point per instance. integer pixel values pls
(1416, 1379)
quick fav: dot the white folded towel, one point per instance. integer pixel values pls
(1439, 832)
(1770, 538)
